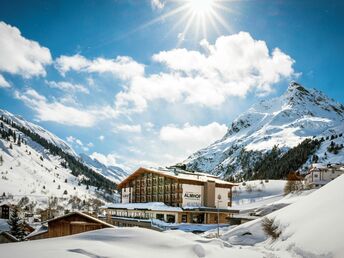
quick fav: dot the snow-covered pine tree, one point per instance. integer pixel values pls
(16, 225)
(19, 140)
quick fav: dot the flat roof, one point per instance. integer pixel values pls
(160, 206)
(177, 174)
(151, 206)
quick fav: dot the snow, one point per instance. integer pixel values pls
(24, 173)
(153, 206)
(128, 243)
(4, 225)
(256, 192)
(114, 173)
(18, 155)
(310, 227)
(284, 121)
(186, 227)
(40, 131)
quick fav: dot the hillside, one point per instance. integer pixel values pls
(280, 125)
(37, 164)
(310, 227)
(113, 173)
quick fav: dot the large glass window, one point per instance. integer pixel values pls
(171, 218)
(160, 216)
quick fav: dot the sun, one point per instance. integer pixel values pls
(201, 7)
(196, 18)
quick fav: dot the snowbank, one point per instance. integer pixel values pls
(311, 226)
(127, 243)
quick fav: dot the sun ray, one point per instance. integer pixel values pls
(186, 29)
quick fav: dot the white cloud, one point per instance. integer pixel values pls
(127, 128)
(157, 4)
(21, 56)
(123, 67)
(234, 66)
(67, 86)
(191, 138)
(78, 143)
(107, 160)
(4, 83)
(70, 139)
(101, 137)
(55, 111)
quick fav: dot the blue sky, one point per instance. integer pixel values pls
(144, 83)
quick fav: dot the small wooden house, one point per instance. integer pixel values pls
(69, 224)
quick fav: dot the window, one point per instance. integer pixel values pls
(184, 218)
(160, 216)
(171, 218)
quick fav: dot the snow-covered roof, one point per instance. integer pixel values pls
(8, 235)
(178, 174)
(81, 214)
(39, 230)
(152, 206)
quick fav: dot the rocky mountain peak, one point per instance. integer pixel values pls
(284, 121)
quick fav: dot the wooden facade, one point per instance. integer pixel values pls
(5, 211)
(70, 224)
(152, 186)
(6, 237)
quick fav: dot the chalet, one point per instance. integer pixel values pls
(173, 196)
(69, 224)
(320, 175)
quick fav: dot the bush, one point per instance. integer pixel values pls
(270, 228)
(294, 183)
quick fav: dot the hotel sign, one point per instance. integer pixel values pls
(192, 195)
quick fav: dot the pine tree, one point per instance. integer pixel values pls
(1, 160)
(19, 140)
(11, 146)
(16, 225)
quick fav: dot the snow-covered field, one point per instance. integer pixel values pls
(127, 243)
(310, 228)
(255, 193)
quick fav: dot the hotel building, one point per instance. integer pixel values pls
(173, 196)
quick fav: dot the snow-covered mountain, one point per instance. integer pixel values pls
(284, 121)
(113, 173)
(39, 130)
(37, 164)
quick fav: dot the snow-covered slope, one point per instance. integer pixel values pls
(30, 170)
(285, 121)
(113, 173)
(39, 130)
(310, 227)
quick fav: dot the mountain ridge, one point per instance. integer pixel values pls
(284, 121)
